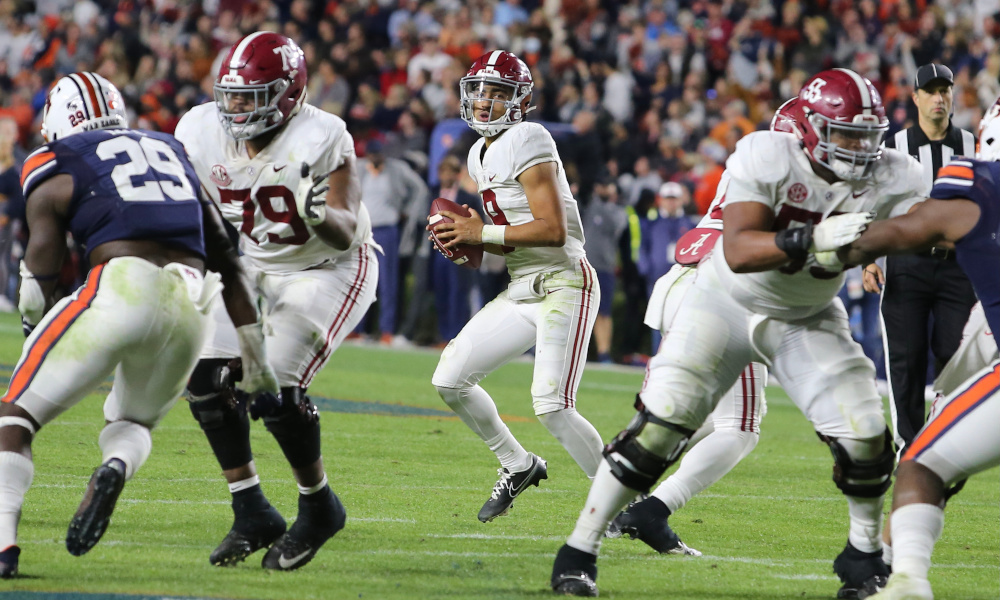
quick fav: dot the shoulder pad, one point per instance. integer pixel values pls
(763, 156)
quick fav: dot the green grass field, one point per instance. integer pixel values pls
(413, 478)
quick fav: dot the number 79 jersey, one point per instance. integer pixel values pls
(523, 146)
(128, 184)
(256, 195)
(771, 168)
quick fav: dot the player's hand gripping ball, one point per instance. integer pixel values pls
(467, 255)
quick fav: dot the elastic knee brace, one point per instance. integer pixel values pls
(640, 454)
(295, 426)
(227, 428)
(862, 478)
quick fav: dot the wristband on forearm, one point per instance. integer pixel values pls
(795, 242)
(494, 234)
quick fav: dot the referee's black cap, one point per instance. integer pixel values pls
(931, 73)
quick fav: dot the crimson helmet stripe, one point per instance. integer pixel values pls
(866, 96)
(235, 62)
(494, 57)
(91, 95)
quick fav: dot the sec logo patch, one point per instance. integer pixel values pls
(797, 193)
(219, 176)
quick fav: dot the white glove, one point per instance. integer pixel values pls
(839, 231)
(258, 376)
(310, 197)
(30, 297)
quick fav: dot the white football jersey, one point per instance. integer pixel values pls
(505, 203)
(771, 168)
(256, 195)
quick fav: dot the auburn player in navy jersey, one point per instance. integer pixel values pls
(961, 439)
(132, 199)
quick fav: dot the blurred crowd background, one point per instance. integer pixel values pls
(645, 98)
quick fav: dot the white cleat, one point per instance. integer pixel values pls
(903, 587)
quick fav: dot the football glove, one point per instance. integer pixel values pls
(30, 300)
(310, 197)
(840, 230)
(258, 376)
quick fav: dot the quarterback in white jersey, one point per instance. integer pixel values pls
(282, 172)
(733, 429)
(768, 293)
(552, 299)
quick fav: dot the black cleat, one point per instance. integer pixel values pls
(8, 561)
(313, 527)
(647, 521)
(509, 486)
(862, 573)
(574, 573)
(92, 518)
(248, 535)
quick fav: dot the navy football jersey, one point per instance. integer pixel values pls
(127, 185)
(978, 252)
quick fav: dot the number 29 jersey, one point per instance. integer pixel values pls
(496, 170)
(256, 195)
(128, 184)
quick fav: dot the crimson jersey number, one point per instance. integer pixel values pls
(496, 215)
(792, 216)
(265, 199)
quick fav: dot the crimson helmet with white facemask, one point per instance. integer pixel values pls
(261, 84)
(82, 102)
(841, 102)
(495, 77)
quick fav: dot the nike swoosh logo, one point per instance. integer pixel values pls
(286, 563)
(859, 194)
(276, 169)
(492, 177)
(524, 483)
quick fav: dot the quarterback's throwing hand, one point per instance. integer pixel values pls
(840, 230)
(461, 229)
(310, 197)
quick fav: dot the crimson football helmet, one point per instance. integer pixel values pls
(495, 77)
(82, 102)
(786, 117)
(989, 134)
(843, 122)
(261, 84)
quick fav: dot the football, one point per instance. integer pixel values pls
(467, 255)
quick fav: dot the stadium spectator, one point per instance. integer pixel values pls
(604, 222)
(394, 195)
(660, 233)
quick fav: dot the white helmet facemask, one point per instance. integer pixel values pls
(853, 162)
(481, 94)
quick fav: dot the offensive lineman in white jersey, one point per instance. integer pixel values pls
(768, 293)
(308, 250)
(733, 429)
(552, 300)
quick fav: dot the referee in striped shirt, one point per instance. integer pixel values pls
(918, 287)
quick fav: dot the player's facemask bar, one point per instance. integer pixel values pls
(850, 150)
(483, 93)
(247, 111)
